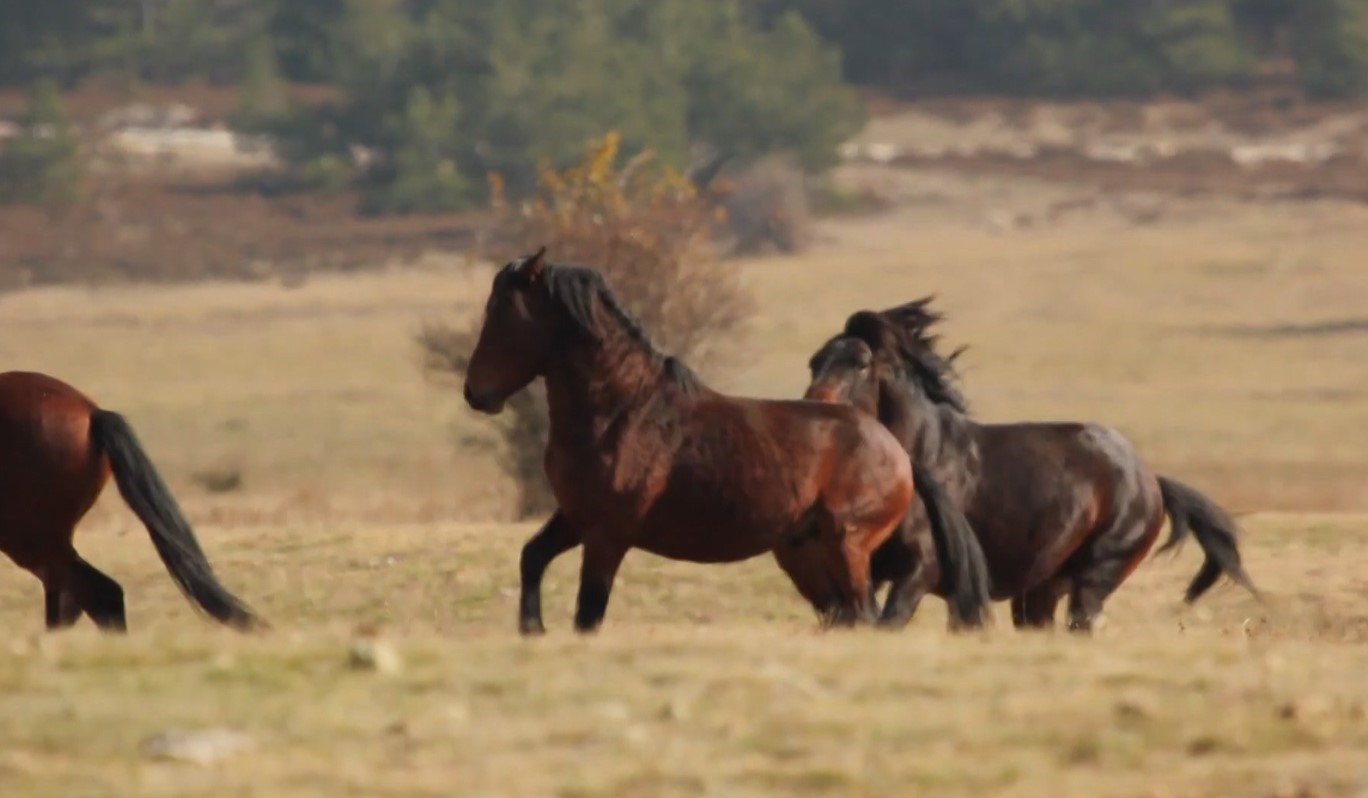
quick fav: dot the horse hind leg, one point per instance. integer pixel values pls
(98, 595)
(1113, 556)
(1035, 609)
(61, 609)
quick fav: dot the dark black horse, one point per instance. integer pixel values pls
(1058, 507)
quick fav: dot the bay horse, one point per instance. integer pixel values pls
(1058, 507)
(57, 451)
(642, 454)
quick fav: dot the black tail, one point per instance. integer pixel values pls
(150, 499)
(963, 570)
(1189, 510)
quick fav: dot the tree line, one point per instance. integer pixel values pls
(1050, 47)
(441, 94)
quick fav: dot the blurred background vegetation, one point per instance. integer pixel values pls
(426, 98)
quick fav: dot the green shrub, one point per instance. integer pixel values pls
(41, 164)
(445, 92)
(421, 172)
(1330, 45)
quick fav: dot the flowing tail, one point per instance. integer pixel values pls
(1190, 511)
(963, 569)
(152, 502)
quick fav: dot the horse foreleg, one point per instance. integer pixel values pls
(905, 596)
(845, 563)
(903, 565)
(803, 560)
(597, 571)
(556, 537)
(855, 585)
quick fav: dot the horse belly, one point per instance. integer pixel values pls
(710, 533)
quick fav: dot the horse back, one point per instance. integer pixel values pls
(1046, 458)
(1042, 484)
(853, 464)
(725, 478)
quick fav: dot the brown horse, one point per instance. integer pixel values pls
(1058, 507)
(57, 449)
(642, 454)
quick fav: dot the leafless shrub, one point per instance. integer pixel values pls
(646, 230)
(767, 207)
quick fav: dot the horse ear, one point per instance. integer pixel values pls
(870, 327)
(532, 267)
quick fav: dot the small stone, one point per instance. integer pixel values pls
(1133, 709)
(20, 647)
(202, 747)
(458, 712)
(676, 709)
(1303, 709)
(636, 734)
(374, 654)
(615, 711)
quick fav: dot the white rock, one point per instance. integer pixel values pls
(201, 747)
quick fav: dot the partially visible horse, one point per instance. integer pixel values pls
(57, 450)
(643, 455)
(1059, 508)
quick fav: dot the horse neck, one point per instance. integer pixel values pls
(595, 382)
(933, 433)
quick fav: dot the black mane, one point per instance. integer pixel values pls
(905, 332)
(579, 289)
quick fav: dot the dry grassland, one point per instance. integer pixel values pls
(1226, 339)
(705, 681)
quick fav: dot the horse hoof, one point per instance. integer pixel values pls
(529, 627)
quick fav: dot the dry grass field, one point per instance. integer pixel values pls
(1228, 339)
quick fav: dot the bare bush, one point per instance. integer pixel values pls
(767, 207)
(646, 229)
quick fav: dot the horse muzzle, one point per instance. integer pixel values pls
(482, 403)
(823, 393)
